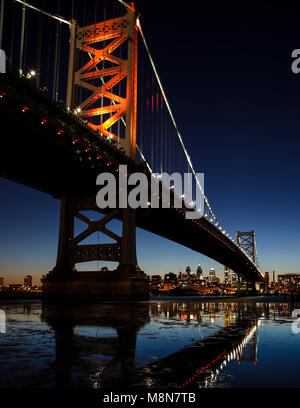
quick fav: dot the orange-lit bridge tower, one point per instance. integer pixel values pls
(106, 80)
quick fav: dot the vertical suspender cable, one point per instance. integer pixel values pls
(55, 59)
(58, 63)
(1, 21)
(12, 40)
(39, 48)
(157, 117)
(161, 133)
(48, 55)
(152, 125)
(22, 41)
(24, 63)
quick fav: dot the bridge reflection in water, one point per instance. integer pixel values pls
(126, 319)
(111, 362)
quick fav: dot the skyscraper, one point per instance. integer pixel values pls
(212, 276)
(199, 273)
(233, 278)
(28, 281)
(227, 276)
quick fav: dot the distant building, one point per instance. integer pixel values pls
(206, 280)
(1, 281)
(199, 273)
(188, 270)
(233, 278)
(170, 278)
(212, 276)
(28, 281)
(289, 281)
(227, 276)
(267, 281)
(230, 277)
(156, 281)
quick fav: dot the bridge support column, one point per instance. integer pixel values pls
(127, 282)
(64, 264)
(128, 261)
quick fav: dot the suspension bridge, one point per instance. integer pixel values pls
(81, 98)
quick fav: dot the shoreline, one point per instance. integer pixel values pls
(167, 298)
(257, 299)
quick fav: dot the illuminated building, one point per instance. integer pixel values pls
(199, 273)
(212, 276)
(234, 278)
(28, 281)
(289, 282)
(267, 281)
(170, 278)
(156, 282)
(1, 281)
(227, 276)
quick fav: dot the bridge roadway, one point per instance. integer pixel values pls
(45, 147)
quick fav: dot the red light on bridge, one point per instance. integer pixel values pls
(43, 121)
(59, 132)
(24, 109)
(74, 141)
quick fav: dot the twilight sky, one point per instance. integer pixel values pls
(227, 73)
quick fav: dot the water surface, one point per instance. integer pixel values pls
(182, 343)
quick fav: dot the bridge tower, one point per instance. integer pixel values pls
(246, 240)
(108, 80)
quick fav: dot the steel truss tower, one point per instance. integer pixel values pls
(99, 44)
(246, 240)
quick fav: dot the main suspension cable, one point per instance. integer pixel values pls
(61, 19)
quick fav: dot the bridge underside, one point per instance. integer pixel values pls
(46, 148)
